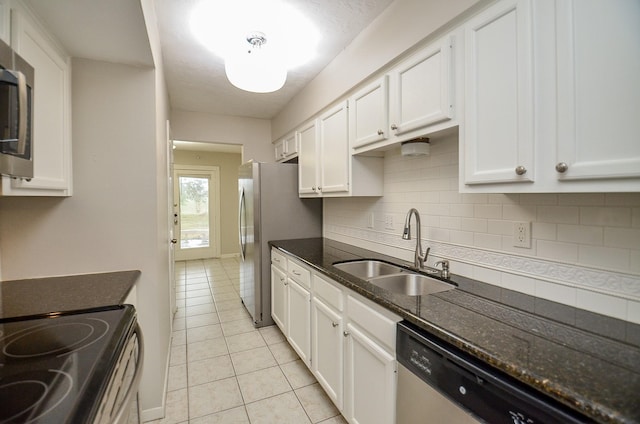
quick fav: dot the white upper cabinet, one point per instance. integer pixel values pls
(415, 98)
(498, 121)
(308, 159)
(334, 150)
(369, 114)
(51, 115)
(325, 165)
(286, 148)
(552, 96)
(598, 66)
(421, 89)
(5, 21)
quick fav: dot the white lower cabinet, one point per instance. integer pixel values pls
(299, 313)
(328, 358)
(347, 341)
(279, 297)
(370, 379)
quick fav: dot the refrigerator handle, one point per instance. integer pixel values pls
(242, 213)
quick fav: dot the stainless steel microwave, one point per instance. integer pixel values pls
(16, 114)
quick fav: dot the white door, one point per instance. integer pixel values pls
(197, 212)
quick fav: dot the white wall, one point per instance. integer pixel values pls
(254, 134)
(585, 248)
(111, 223)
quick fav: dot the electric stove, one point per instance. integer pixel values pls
(55, 368)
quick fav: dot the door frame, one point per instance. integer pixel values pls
(214, 207)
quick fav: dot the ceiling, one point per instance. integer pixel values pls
(115, 31)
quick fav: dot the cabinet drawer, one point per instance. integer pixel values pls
(328, 292)
(278, 259)
(299, 273)
(381, 324)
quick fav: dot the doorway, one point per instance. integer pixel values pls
(196, 212)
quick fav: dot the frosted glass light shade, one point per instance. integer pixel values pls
(419, 147)
(256, 71)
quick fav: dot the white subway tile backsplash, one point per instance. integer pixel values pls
(581, 234)
(634, 261)
(627, 238)
(480, 198)
(519, 283)
(476, 225)
(622, 199)
(556, 292)
(464, 210)
(519, 212)
(487, 241)
(635, 217)
(557, 251)
(450, 222)
(544, 231)
(558, 214)
(602, 304)
(463, 238)
(499, 227)
(610, 217)
(504, 199)
(605, 257)
(487, 275)
(539, 199)
(581, 199)
(487, 211)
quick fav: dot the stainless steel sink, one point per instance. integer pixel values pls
(368, 268)
(410, 284)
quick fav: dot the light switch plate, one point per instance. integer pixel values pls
(388, 222)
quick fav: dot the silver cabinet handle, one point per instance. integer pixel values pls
(345, 333)
(562, 167)
(296, 273)
(380, 132)
(282, 279)
(521, 170)
(394, 127)
(334, 324)
(174, 241)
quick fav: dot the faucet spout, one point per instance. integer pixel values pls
(419, 257)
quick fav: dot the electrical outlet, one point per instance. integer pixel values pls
(370, 220)
(522, 234)
(388, 222)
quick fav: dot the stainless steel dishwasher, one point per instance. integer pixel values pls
(438, 383)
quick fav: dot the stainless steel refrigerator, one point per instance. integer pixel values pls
(270, 209)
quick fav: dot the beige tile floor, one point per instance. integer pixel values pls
(223, 370)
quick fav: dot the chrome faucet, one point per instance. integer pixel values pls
(419, 258)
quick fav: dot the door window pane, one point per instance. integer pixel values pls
(194, 212)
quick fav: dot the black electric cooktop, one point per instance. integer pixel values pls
(53, 366)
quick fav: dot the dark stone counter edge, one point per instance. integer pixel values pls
(570, 399)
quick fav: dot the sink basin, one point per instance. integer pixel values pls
(368, 268)
(410, 284)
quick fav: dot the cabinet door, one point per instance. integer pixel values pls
(307, 158)
(370, 380)
(290, 146)
(497, 142)
(279, 148)
(328, 356)
(598, 59)
(299, 320)
(279, 298)
(369, 114)
(51, 114)
(334, 150)
(421, 89)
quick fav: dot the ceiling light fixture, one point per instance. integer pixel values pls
(416, 147)
(259, 40)
(254, 68)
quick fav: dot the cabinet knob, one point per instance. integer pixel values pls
(521, 170)
(394, 127)
(319, 188)
(380, 132)
(562, 167)
(313, 188)
(334, 324)
(345, 333)
(174, 241)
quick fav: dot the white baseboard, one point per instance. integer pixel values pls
(159, 411)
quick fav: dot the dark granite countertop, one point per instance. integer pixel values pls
(589, 362)
(57, 294)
